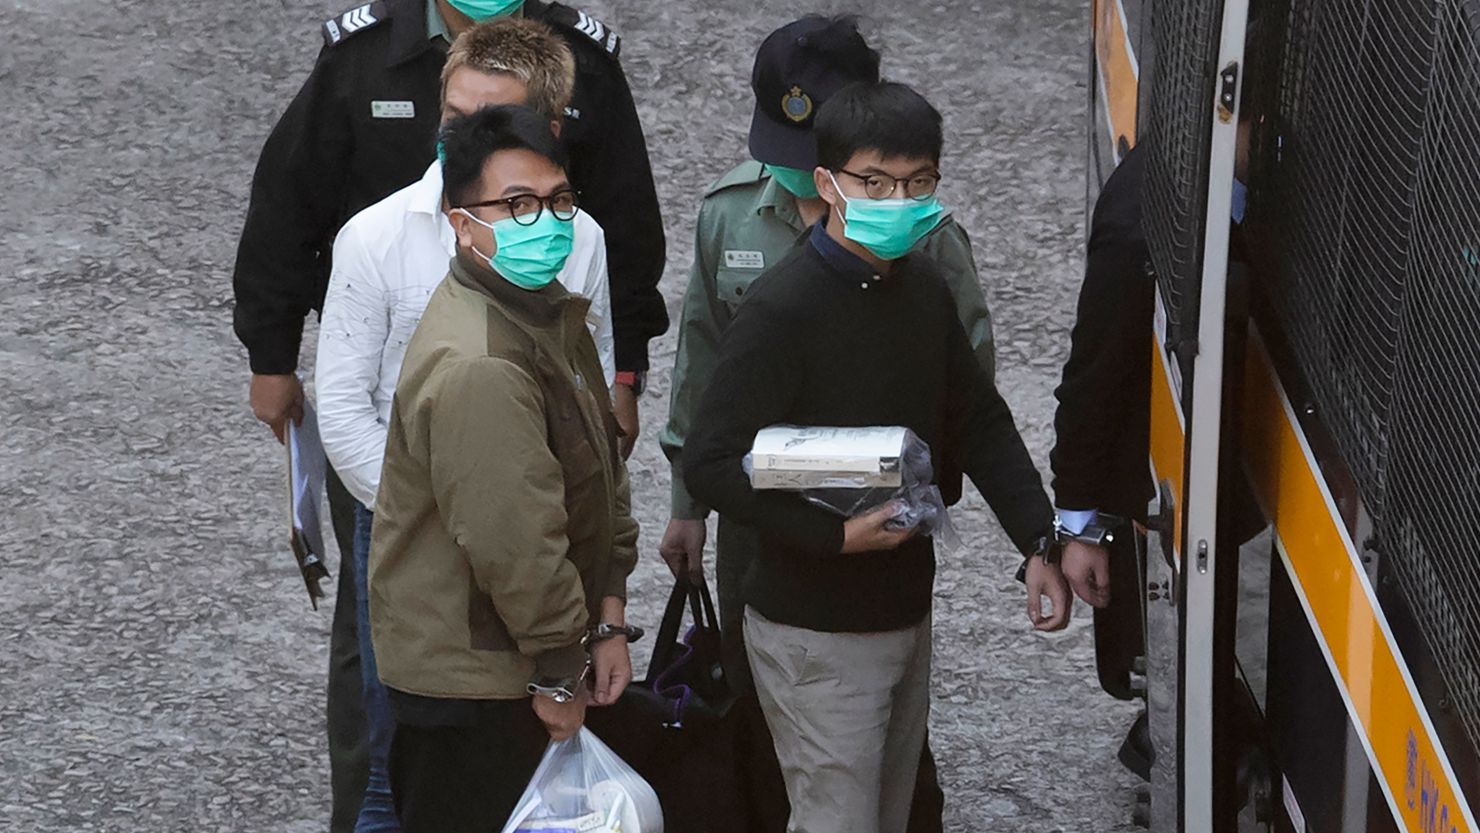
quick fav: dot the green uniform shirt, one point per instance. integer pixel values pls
(436, 26)
(747, 222)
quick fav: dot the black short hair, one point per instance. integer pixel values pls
(468, 141)
(887, 117)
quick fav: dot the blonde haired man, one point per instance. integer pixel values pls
(387, 261)
(506, 54)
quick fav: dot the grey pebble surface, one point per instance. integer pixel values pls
(160, 669)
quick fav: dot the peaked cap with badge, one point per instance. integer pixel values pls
(364, 125)
(798, 68)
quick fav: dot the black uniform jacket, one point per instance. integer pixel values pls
(1100, 458)
(364, 125)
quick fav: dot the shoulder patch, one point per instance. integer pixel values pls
(745, 173)
(358, 19)
(600, 34)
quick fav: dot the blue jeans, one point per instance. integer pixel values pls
(378, 811)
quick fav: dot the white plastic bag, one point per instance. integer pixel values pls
(581, 786)
(852, 471)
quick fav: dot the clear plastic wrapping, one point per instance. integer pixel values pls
(852, 471)
(581, 786)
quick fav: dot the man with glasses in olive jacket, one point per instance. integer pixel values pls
(503, 533)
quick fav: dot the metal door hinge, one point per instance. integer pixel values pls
(1227, 92)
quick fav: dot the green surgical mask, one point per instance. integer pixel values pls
(888, 228)
(480, 10)
(529, 257)
(797, 182)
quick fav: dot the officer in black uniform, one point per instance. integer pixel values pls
(1104, 413)
(362, 127)
(1102, 427)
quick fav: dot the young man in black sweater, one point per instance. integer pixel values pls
(852, 329)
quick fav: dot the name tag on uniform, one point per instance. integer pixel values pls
(393, 109)
(735, 259)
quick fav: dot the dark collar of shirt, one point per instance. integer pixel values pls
(839, 259)
(411, 35)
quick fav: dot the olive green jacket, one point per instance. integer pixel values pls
(504, 513)
(747, 222)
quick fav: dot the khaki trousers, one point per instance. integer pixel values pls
(848, 713)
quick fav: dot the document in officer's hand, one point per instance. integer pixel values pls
(802, 457)
(306, 472)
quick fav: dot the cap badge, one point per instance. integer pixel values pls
(797, 105)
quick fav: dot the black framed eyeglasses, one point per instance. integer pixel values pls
(527, 208)
(883, 186)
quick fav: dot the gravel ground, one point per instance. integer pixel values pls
(161, 668)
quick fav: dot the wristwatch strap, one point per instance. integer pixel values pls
(635, 379)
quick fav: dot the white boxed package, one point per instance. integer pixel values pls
(792, 457)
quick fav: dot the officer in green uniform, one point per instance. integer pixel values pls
(748, 220)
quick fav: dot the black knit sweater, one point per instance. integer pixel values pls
(823, 340)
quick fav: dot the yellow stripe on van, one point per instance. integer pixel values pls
(1380, 695)
(1118, 74)
(1168, 439)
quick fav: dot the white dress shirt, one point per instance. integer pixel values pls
(387, 261)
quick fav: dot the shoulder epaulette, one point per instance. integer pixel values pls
(354, 21)
(745, 173)
(602, 35)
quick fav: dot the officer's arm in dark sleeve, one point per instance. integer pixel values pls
(296, 193)
(1110, 345)
(616, 182)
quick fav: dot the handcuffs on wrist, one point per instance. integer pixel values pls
(603, 632)
(1098, 533)
(561, 691)
(564, 690)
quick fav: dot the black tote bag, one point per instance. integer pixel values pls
(675, 725)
